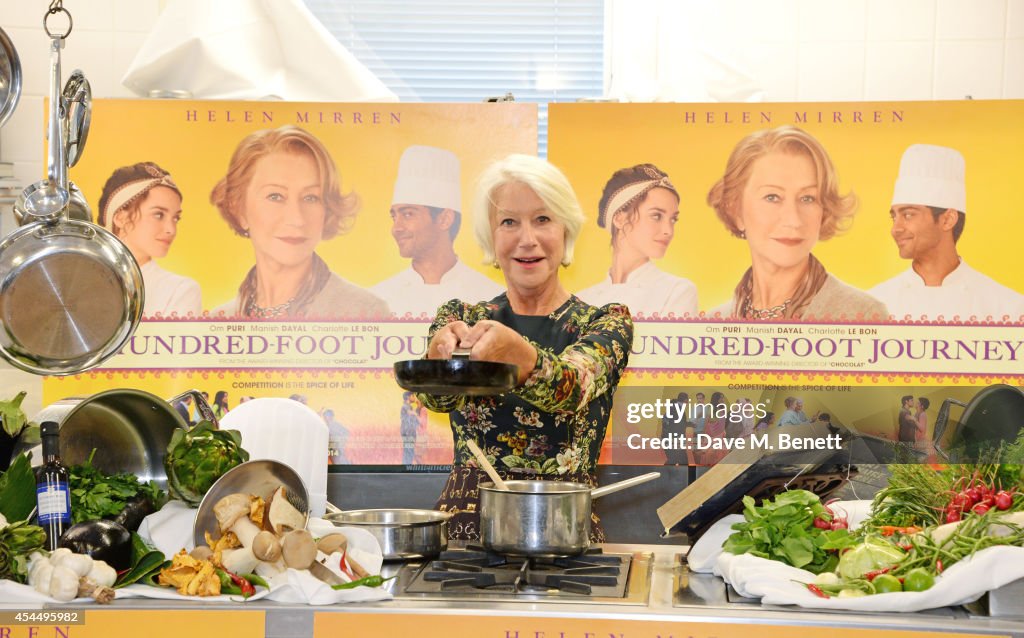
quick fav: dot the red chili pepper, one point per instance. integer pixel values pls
(878, 572)
(938, 566)
(344, 565)
(814, 589)
(243, 584)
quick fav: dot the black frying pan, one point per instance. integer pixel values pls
(458, 375)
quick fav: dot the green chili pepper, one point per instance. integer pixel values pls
(256, 580)
(226, 585)
(369, 581)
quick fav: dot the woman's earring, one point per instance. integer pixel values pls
(743, 234)
(495, 264)
(245, 232)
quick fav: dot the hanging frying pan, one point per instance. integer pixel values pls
(10, 77)
(71, 294)
(995, 415)
(459, 375)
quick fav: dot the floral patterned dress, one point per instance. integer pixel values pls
(550, 427)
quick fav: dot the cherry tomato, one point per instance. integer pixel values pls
(918, 579)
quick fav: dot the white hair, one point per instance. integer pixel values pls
(544, 179)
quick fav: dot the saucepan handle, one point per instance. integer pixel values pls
(941, 421)
(201, 404)
(621, 485)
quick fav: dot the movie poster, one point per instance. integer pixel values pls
(705, 217)
(220, 200)
(879, 202)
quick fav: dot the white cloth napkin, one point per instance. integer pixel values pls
(170, 530)
(776, 583)
(249, 49)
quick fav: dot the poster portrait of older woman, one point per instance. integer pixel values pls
(780, 193)
(282, 191)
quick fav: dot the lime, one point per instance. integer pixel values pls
(918, 579)
(885, 583)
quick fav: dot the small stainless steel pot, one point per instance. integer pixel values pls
(403, 534)
(542, 518)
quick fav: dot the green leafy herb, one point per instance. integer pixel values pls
(96, 494)
(18, 539)
(784, 529)
(18, 489)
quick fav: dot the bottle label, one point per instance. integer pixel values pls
(54, 502)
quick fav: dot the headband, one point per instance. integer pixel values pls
(630, 193)
(131, 191)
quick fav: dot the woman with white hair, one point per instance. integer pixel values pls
(570, 355)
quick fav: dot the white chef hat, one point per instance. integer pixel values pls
(428, 176)
(931, 176)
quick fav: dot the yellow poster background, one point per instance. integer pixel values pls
(691, 143)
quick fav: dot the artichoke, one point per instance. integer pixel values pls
(196, 458)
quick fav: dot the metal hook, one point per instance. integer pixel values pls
(53, 10)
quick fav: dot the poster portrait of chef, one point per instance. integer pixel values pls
(640, 208)
(425, 219)
(282, 192)
(780, 194)
(569, 355)
(929, 213)
(141, 205)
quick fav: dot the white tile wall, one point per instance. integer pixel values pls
(792, 49)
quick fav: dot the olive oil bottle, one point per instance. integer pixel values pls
(53, 493)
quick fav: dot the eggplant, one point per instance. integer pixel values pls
(103, 540)
(134, 511)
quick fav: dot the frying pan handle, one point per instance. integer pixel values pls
(57, 168)
(461, 353)
(941, 420)
(621, 485)
(201, 404)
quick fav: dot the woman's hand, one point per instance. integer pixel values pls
(493, 341)
(446, 340)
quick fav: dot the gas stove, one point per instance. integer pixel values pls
(472, 573)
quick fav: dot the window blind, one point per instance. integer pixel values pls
(468, 51)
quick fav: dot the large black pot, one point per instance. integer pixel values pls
(995, 415)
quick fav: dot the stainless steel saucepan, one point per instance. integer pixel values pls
(403, 534)
(542, 518)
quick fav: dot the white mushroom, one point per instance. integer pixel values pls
(282, 516)
(238, 561)
(269, 570)
(266, 546)
(336, 542)
(232, 514)
(298, 549)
